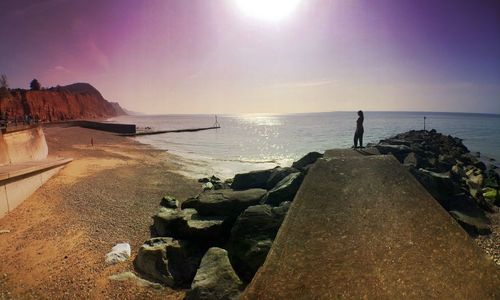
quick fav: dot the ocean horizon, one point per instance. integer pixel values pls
(248, 142)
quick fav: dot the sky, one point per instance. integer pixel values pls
(218, 56)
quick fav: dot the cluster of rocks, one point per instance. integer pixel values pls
(463, 184)
(214, 243)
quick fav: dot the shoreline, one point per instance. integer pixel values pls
(58, 236)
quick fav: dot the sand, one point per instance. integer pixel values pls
(59, 236)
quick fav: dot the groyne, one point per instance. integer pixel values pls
(362, 227)
(395, 220)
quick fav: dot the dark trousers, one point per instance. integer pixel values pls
(358, 136)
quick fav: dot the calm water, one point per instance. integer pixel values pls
(256, 141)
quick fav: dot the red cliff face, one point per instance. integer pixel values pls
(76, 101)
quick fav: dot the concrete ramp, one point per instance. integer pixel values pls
(361, 227)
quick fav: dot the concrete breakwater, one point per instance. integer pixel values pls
(24, 166)
(347, 224)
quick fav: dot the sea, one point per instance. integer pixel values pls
(246, 142)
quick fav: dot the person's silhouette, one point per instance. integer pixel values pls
(358, 135)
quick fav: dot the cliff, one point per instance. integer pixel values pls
(75, 101)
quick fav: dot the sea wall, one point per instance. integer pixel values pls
(24, 166)
(111, 127)
(23, 146)
(14, 192)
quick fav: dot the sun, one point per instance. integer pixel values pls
(268, 10)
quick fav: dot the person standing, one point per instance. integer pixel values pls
(358, 135)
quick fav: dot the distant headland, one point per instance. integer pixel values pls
(60, 103)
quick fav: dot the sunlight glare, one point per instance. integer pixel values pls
(269, 10)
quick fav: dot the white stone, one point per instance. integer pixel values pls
(120, 252)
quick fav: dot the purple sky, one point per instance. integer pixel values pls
(199, 56)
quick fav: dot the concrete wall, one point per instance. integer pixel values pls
(15, 192)
(18, 151)
(22, 146)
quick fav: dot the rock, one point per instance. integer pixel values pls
(66, 103)
(169, 202)
(214, 179)
(224, 202)
(488, 193)
(215, 279)
(388, 148)
(250, 180)
(475, 182)
(204, 180)
(252, 237)
(170, 222)
(126, 276)
(457, 171)
(285, 190)
(207, 186)
(169, 261)
(473, 225)
(468, 159)
(308, 159)
(188, 224)
(396, 141)
(412, 159)
(480, 165)
(438, 184)
(4, 231)
(277, 175)
(120, 252)
(205, 229)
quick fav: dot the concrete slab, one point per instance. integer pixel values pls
(364, 228)
(351, 152)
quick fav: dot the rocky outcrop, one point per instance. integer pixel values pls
(215, 279)
(456, 178)
(75, 101)
(243, 215)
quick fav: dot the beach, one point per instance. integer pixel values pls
(59, 236)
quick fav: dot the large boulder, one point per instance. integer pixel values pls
(309, 159)
(439, 185)
(224, 202)
(285, 190)
(168, 221)
(212, 229)
(169, 261)
(169, 202)
(188, 224)
(215, 279)
(250, 180)
(252, 236)
(472, 224)
(278, 174)
(399, 151)
(413, 159)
